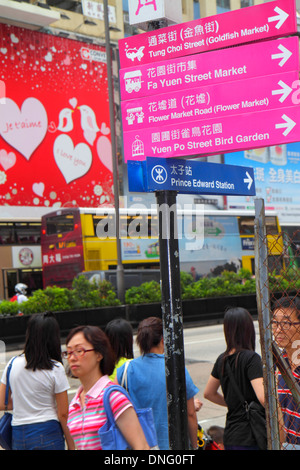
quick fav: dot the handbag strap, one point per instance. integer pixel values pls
(106, 395)
(7, 382)
(233, 381)
(124, 376)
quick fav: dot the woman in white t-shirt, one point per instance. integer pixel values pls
(38, 385)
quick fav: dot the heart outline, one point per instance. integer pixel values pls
(25, 140)
(7, 159)
(65, 156)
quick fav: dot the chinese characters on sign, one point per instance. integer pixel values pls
(226, 65)
(96, 10)
(141, 12)
(202, 103)
(277, 178)
(230, 133)
(184, 102)
(190, 177)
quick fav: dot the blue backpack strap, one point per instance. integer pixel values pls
(7, 381)
(107, 407)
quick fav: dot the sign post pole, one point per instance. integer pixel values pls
(172, 312)
(120, 268)
(172, 320)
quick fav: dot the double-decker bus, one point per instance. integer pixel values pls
(20, 255)
(74, 240)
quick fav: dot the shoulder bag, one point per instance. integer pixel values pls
(5, 421)
(255, 414)
(111, 437)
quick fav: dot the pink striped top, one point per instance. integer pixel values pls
(84, 423)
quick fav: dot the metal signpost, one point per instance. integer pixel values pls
(120, 268)
(175, 104)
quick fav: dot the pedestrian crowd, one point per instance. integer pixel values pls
(44, 419)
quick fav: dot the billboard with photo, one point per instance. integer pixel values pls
(277, 180)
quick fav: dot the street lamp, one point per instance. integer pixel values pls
(120, 269)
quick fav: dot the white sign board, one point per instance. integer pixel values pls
(96, 10)
(26, 256)
(143, 11)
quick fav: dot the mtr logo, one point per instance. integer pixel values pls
(2, 92)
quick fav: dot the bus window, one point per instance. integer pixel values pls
(60, 224)
(271, 225)
(28, 233)
(246, 225)
(7, 234)
(104, 226)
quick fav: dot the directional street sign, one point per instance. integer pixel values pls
(255, 23)
(226, 65)
(212, 136)
(188, 176)
(206, 102)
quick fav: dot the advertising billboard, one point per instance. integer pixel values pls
(55, 147)
(277, 180)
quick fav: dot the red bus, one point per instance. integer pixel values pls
(62, 247)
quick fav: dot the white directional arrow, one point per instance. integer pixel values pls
(281, 17)
(248, 180)
(285, 54)
(288, 125)
(284, 91)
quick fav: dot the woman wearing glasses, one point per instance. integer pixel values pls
(286, 331)
(39, 385)
(92, 360)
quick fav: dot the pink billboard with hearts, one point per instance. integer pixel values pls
(55, 146)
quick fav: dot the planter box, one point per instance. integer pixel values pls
(213, 309)
(13, 329)
(91, 316)
(137, 312)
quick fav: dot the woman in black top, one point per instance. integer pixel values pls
(247, 369)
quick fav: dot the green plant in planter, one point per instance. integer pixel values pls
(86, 294)
(147, 292)
(83, 295)
(186, 279)
(52, 298)
(9, 308)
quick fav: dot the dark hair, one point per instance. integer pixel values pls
(239, 330)
(100, 342)
(149, 334)
(120, 335)
(288, 302)
(42, 344)
(216, 433)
